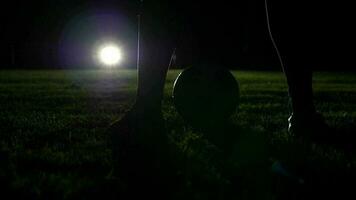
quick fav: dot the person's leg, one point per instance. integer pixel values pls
(295, 36)
(299, 79)
(139, 141)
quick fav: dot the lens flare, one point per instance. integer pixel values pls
(110, 55)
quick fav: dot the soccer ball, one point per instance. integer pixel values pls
(205, 96)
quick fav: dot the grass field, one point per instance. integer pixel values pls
(53, 143)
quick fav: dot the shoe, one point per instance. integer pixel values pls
(140, 154)
(311, 127)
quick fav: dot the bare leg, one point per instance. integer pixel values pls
(299, 78)
(293, 39)
(139, 141)
(296, 37)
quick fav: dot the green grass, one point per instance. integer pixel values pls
(53, 143)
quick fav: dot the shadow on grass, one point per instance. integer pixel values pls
(233, 162)
(223, 162)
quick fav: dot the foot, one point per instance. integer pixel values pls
(138, 131)
(141, 155)
(311, 127)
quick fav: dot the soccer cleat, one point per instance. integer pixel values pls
(311, 127)
(141, 153)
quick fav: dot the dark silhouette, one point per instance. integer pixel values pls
(141, 148)
(139, 140)
(295, 42)
(205, 96)
(305, 34)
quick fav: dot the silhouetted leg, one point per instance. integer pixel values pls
(140, 146)
(299, 79)
(298, 39)
(291, 36)
(304, 121)
(290, 26)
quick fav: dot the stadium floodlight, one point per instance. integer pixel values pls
(110, 55)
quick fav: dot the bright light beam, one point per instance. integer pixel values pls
(110, 55)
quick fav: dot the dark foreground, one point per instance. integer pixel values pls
(53, 143)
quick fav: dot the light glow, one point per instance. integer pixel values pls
(110, 55)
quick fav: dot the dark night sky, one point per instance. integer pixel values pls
(36, 32)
